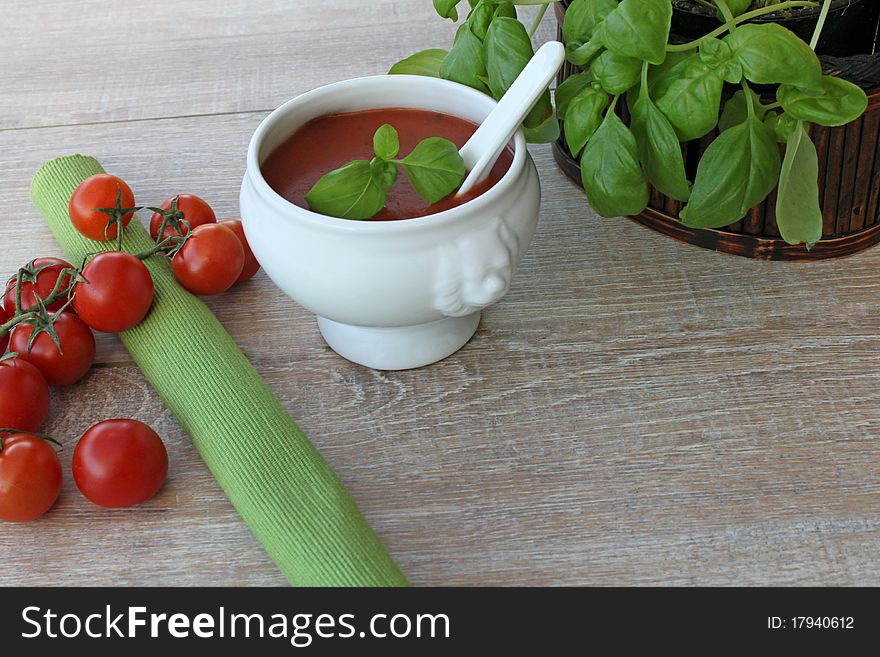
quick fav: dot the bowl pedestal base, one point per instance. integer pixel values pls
(399, 347)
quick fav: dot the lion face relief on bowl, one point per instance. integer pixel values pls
(475, 270)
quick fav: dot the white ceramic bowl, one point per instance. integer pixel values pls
(393, 294)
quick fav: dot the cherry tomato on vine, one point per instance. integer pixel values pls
(30, 477)
(117, 292)
(120, 463)
(251, 266)
(193, 209)
(24, 395)
(100, 191)
(5, 316)
(52, 269)
(60, 368)
(210, 261)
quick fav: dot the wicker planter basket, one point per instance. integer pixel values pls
(849, 170)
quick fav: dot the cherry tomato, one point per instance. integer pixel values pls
(60, 368)
(24, 395)
(195, 210)
(43, 287)
(251, 266)
(117, 294)
(30, 477)
(99, 191)
(5, 316)
(119, 463)
(210, 261)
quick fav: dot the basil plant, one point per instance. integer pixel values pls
(674, 93)
(491, 48)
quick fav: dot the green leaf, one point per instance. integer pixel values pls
(798, 214)
(673, 68)
(716, 54)
(771, 54)
(692, 99)
(610, 170)
(782, 125)
(350, 192)
(737, 8)
(582, 54)
(384, 173)
(447, 8)
(386, 142)
(508, 51)
(736, 110)
(737, 171)
(435, 168)
(425, 62)
(583, 118)
(639, 29)
(658, 148)
(569, 89)
(582, 17)
(840, 102)
(616, 73)
(480, 18)
(465, 63)
(545, 133)
(506, 10)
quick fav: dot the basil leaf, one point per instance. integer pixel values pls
(425, 62)
(434, 168)
(505, 9)
(771, 54)
(569, 89)
(480, 18)
(508, 50)
(840, 102)
(798, 214)
(582, 17)
(386, 142)
(673, 68)
(545, 133)
(782, 125)
(351, 192)
(616, 73)
(582, 54)
(692, 99)
(716, 54)
(610, 171)
(384, 173)
(737, 171)
(638, 28)
(736, 110)
(464, 63)
(447, 8)
(658, 148)
(737, 7)
(583, 118)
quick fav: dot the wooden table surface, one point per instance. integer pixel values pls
(635, 411)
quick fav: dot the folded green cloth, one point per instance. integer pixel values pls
(283, 488)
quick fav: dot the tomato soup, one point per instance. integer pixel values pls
(329, 142)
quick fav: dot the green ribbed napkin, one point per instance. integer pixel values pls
(291, 499)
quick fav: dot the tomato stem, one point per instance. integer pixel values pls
(7, 432)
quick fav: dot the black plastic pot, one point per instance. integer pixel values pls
(850, 29)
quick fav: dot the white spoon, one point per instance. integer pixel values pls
(490, 139)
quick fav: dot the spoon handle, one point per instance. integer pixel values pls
(487, 143)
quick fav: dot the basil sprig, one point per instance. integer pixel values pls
(359, 190)
(674, 95)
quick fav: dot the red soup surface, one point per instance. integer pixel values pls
(329, 142)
